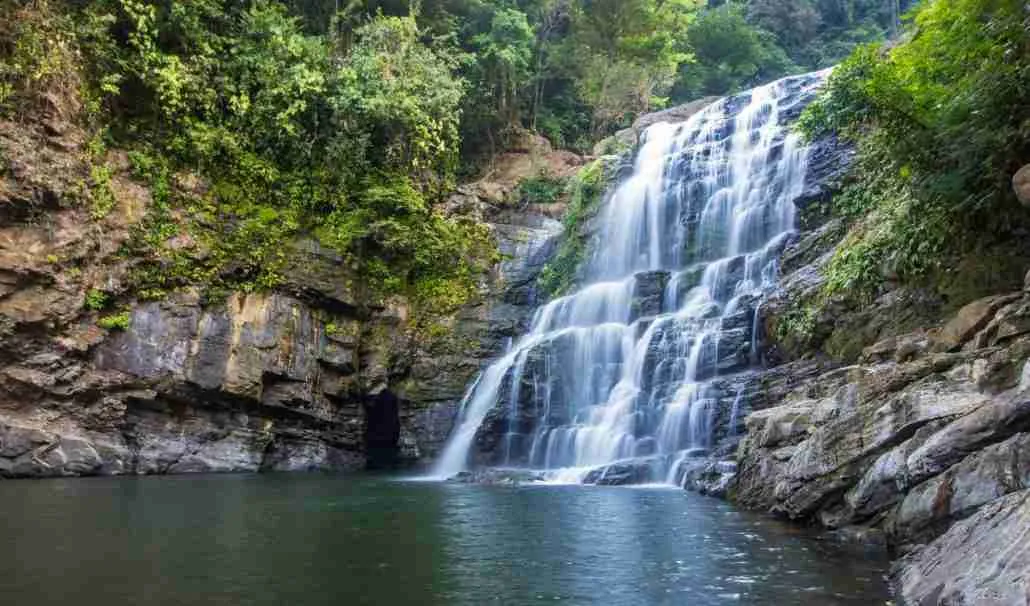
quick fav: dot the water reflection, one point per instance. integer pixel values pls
(648, 546)
(329, 540)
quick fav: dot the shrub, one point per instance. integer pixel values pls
(940, 122)
(119, 321)
(96, 300)
(586, 190)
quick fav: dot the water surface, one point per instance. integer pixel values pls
(320, 539)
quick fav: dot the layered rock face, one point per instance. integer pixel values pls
(925, 440)
(919, 441)
(309, 376)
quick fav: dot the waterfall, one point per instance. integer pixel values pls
(628, 368)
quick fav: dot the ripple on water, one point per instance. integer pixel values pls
(270, 540)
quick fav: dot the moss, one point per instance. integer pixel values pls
(614, 146)
(96, 300)
(985, 272)
(586, 191)
(795, 328)
(118, 321)
(846, 344)
(101, 195)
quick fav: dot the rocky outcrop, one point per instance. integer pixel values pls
(982, 559)
(926, 439)
(309, 376)
(627, 138)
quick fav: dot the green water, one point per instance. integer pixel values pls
(317, 539)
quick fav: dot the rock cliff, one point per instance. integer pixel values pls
(923, 443)
(307, 376)
(905, 422)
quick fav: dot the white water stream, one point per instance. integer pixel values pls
(612, 373)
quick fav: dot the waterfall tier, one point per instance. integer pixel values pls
(633, 375)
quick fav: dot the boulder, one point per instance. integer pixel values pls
(983, 559)
(994, 420)
(708, 477)
(775, 426)
(501, 477)
(622, 473)
(627, 138)
(979, 479)
(970, 320)
(1021, 185)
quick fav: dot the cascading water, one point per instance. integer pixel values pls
(631, 366)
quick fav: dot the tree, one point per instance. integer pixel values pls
(794, 22)
(625, 55)
(505, 56)
(730, 54)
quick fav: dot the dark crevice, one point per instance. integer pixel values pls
(382, 431)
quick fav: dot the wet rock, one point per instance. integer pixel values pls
(885, 482)
(732, 352)
(708, 477)
(828, 163)
(990, 422)
(836, 440)
(648, 293)
(980, 478)
(774, 426)
(30, 452)
(896, 348)
(494, 476)
(980, 560)
(292, 379)
(862, 536)
(622, 473)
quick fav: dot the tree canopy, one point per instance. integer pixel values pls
(350, 119)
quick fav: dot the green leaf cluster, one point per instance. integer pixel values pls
(941, 122)
(118, 321)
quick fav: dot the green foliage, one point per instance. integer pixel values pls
(819, 33)
(731, 55)
(410, 244)
(118, 321)
(504, 56)
(251, 132)
(625, 55)
(573, 71)
(403, 97)
(541, 190)
(255, 123)
(95, 300)
(941, 123)
(101, 195)
(586, 191)
(37, 56)
(796, 327)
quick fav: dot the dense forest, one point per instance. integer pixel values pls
(350, 120)
(941, 123)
